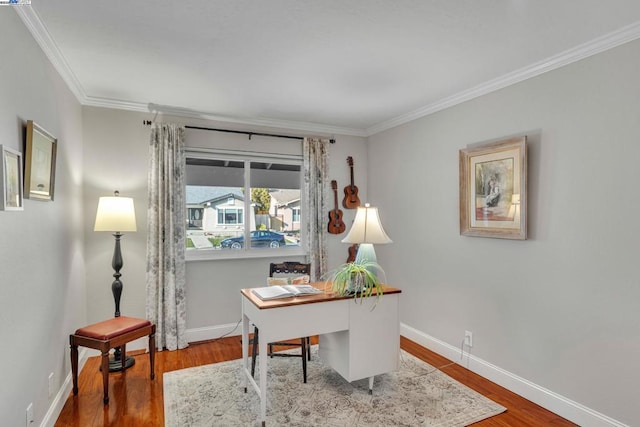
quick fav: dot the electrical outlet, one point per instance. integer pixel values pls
(468, 338)
(51, 385)
(30, 418)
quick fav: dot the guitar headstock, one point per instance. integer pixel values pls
(334, 184)
(350, 161)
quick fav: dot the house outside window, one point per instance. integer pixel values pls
(225, 223)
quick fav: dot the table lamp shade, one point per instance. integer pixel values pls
(367, 227)
(115, 214)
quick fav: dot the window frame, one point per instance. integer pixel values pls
(248, 252)
(239, 213)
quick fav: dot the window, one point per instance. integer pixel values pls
(230, 216)
(241, 205)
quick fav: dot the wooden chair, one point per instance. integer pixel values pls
(290, 269)
(104, 336)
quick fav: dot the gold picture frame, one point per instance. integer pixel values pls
(40, 163)
(493, 189)
(11, 176)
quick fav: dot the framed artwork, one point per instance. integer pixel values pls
(40, 163)
(493, 190)
(11, 175)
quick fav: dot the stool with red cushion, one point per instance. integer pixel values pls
(104, 336)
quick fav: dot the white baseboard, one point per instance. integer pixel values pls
(213, 332)
(55, 408)
(554, 402)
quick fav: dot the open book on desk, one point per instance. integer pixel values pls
(284, 291)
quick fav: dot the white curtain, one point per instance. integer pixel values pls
(315, 156)
(166, 299)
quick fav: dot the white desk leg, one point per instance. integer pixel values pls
(263, 378)
(371, 385)
(245, 349)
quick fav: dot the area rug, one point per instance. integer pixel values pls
(415, 395)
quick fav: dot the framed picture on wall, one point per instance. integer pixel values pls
(40, 163)
(11, 175)
(493, 189)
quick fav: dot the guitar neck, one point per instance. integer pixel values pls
(352, 185)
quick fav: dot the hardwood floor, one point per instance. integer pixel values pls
(137, 401)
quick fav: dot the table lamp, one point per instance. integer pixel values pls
(116, 214)
(366, 231)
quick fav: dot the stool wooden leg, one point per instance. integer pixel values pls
(152, 354)
(105, 376)
(74, 367)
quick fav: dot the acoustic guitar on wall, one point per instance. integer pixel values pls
(351, 199)
(336, 225)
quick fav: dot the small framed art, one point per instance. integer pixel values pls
(11, 175)
(40, 163)
(493, 190)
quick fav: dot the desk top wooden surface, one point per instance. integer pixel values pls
(326, 295)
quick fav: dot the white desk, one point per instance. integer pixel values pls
(355, 341)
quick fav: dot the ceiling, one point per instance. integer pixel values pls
(332, 66)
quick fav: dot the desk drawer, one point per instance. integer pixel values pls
(300, 320)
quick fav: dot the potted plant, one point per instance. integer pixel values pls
(360, 279)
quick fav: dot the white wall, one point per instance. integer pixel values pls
(560, 309)
(42, 297)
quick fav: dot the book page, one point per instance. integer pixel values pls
(271, 292)
(302, 289)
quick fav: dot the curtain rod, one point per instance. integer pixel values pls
(332, 141)
(246, 133)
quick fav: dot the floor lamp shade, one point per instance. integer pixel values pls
(115, 214)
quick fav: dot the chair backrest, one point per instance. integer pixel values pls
(289, 267)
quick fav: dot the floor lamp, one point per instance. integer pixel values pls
(116, 214)
(366, 231)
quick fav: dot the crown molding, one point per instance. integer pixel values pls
(40, 33)
(601, 44)
(118, 104)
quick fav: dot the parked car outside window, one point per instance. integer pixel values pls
(259, 239)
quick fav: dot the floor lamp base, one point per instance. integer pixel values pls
(115, 365)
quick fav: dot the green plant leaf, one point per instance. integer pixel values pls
(361, 279)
